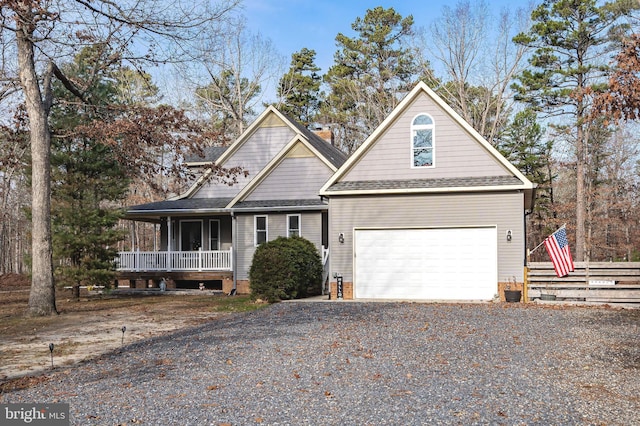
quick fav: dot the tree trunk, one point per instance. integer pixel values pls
(581, 206)
(42, 296)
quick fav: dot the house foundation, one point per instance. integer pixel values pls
(242, 286)
(347, 290)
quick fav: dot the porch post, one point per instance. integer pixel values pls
(234, 229)
(169, 235)
(155, 237)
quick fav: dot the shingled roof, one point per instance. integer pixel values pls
(185, 205)
(209, 155)
(330, 152)
(374, 185)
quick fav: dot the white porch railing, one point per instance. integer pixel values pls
(214, 260)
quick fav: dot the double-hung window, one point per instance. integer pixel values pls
(293, 225)
(261, 229)
(422, 139)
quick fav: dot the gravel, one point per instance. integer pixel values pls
(355, 363)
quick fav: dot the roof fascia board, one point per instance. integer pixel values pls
(275, 161)
(279, 209)
(421, 87)
(362, 149)
(477, 136)
(263, 173)
(195, 164)
(500, 188)
(234, 147)
(176, 211)
(244, 136)
(194, 187)
(256, 123)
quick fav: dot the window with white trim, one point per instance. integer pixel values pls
(293, 225)
(422, 141)
(261, 229)
(214, 234)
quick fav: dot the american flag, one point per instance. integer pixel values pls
(557, 246)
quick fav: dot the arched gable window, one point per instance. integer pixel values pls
(422, 139)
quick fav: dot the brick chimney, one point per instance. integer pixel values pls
(325, 133)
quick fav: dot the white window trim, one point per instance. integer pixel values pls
(255, 228)
(299, 216)
(212, 223)
(433, 140)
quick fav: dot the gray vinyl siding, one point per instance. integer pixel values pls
(261, 147)
(456, 153)
(311, 227)
(293, 179)
(503, 210)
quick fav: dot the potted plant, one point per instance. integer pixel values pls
(511, 294)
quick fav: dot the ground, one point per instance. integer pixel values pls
(93, 325)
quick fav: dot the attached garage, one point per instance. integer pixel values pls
(426, 209)
(431, 264)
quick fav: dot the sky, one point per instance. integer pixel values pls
(314, 24)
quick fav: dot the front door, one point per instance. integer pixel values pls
(190, 235)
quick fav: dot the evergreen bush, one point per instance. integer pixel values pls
(285, 268)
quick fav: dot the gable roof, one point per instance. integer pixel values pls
(517, 180)
(275, 161)
(324, 150)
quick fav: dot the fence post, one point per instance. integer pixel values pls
(525, 286)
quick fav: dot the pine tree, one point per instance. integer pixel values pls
(299, 88)
(570, 38)
(371, 74)
(522, 143)
(87, 180)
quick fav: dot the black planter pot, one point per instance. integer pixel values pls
(512, 295)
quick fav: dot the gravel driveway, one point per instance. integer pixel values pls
(349, 363)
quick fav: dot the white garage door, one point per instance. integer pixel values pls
(448, 263)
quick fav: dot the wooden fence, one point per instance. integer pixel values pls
(598, 282)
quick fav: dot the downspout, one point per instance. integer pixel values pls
(234, 226)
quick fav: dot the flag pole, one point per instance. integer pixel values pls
(538, 246)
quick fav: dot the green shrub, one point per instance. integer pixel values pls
(285, 268)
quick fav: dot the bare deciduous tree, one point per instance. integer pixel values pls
(45, 31)
(230, 69)
(480, 61)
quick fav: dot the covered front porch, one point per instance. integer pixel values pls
(212, 269)
(192, 243)
(168, 261)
